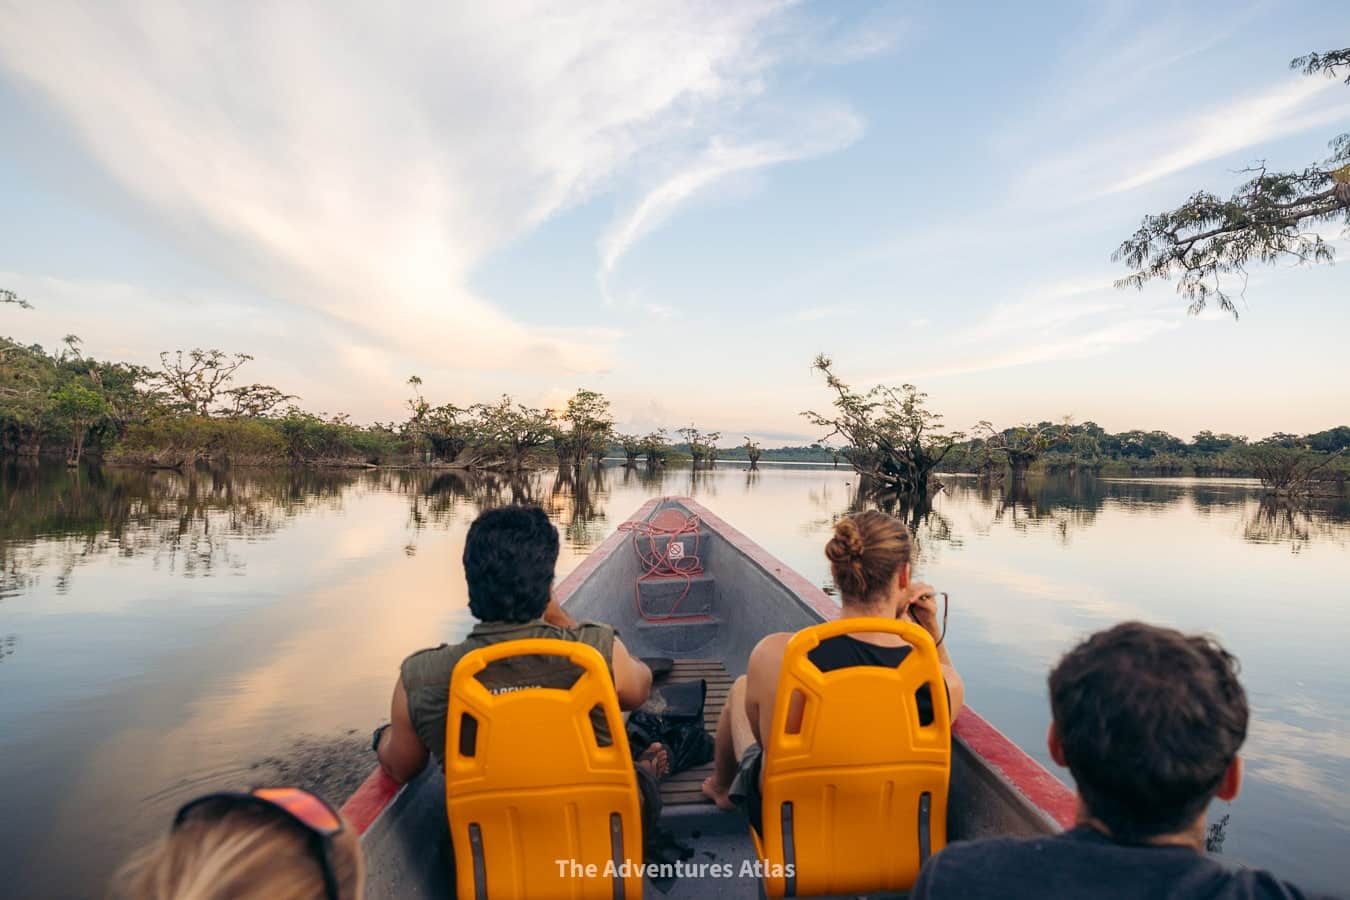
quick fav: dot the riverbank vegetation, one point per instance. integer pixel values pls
(196, 408)
(896, 443)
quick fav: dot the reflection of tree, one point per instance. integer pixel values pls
(57, 517)
(576, 501)
(1281, 520)
(1058, 503)
(702, 482)
(8, 644)
(929, 527)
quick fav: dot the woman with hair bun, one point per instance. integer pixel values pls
(869, 557)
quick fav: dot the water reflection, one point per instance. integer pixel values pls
(160, 631)
(57, 518)
(189, 522)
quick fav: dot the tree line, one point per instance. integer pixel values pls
(897, 443)
(195, 406)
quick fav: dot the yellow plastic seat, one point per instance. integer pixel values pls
(527, 783)
(856, 799)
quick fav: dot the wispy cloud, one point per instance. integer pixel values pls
(363, 164)
(1272, 114)
(1068, 319)
(821, 131)
(1089, 343)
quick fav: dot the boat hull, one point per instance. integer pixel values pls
(997, 789)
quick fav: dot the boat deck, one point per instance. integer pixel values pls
(685, 787)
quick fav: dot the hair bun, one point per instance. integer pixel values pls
(847, 544)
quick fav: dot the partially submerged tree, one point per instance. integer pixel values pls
(443, 431)
(702, 446)
(1021, 445)
(512, 429)
(892, 438)
(753, 451)
(655, 446)
(633, 446)
(590, 425)
(1266, 220)
(1291, 472)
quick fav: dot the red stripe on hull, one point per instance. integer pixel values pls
(369, 800)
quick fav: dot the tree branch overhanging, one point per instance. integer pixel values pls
(1267, 219)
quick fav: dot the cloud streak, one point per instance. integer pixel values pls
(361, 168)
(1267, 116)
(828, 130)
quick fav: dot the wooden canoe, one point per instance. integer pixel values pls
(744, 593)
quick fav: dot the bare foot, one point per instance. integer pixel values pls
(717, 794)
(656, 760)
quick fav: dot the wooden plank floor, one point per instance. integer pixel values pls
(685, 787)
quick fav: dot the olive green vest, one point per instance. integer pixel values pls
(426, 675)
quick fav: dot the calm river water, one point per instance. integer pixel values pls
(162, 635)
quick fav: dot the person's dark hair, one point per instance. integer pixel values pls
(866, 551)
(509, 557)
(1149, 719)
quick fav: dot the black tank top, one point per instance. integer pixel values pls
(844, 651)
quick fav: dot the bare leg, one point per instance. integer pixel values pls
(734, 734)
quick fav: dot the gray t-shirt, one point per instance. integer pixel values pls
(1083, 862)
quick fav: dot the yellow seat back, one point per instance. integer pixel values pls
(856, 799)
(527, 783)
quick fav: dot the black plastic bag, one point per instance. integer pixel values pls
(673, 716)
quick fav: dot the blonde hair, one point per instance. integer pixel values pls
(245, 854)
(865, 553)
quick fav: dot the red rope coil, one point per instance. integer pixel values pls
(657, 561)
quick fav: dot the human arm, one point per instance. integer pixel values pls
(632, 678)
(920, 601)
(399, 750)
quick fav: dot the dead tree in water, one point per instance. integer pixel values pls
(892, 438)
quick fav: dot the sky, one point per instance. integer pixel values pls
(676, 204)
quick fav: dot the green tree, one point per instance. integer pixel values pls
(892, 438)
(78, 408)
(1287, 471)
(589, 424)
(512, 429)
(702, 446)
(441, 432)
(655, 447)
(1020, 445)
(633, 446)
(1266, 220)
